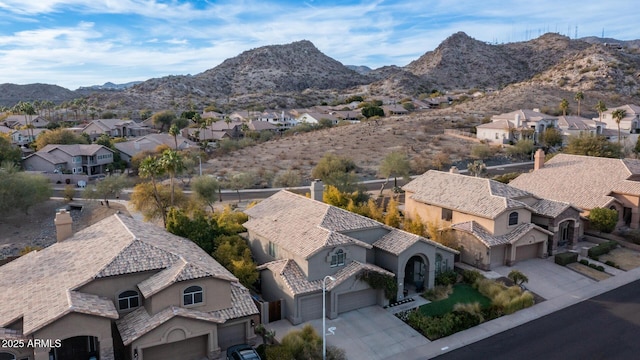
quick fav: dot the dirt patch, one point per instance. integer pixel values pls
(589, 272)
(626, 259)
(37, 228)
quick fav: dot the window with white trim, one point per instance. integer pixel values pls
(338, 258)
(192, 295)
(129, 299)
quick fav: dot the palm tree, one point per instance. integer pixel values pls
(600, 108)
(579, 97)
(28, 110)
(150, 168)
(618, 115)
(171, 162)
(564, 106)
(174, 131)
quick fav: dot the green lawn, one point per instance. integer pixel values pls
(462, 293)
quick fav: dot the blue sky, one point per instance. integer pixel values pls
(75, 43)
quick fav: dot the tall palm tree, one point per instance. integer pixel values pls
(579, 97)
(600, 108)
(171, 162)
(174, 131)
(150, 168)
(564, 106)
(28, 110)
(618, 115)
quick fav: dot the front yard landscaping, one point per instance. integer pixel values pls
(464, 301)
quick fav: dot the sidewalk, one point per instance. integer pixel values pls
(482, 331)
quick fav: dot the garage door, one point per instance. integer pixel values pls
(497, 256)
(189, 349)
(525, 252)
(356, 300)
(231, 335)
(311, 308)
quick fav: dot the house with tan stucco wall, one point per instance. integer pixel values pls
(121, 289)
(299, 241)
(493, 223)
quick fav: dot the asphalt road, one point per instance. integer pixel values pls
(603, 327)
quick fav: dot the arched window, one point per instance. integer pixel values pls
(192, 295)
(129, 299)
(513, 218)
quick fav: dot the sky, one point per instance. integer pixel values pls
(75, 43)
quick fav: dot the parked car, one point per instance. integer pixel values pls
(242, 352)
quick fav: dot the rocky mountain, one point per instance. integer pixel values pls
(298, 75)
(109, 86)
(10, 94)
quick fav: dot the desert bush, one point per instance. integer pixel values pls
(473, 309)
(509, 299)
(438, 292)
(447, 278)
(471, 276)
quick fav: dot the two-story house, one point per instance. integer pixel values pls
(516, 125)
(587, 182)
(630, 124)
(300, 241)
(129, 149)
(76, 159)
(494, 224)
(121, 289)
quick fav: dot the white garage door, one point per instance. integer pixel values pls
(189, 349)
(231, 335)
(525, 252)
(311, 308)
(356, 300)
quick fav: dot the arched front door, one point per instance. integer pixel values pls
(416, 274)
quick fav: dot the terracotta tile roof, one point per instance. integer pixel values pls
(500, 124)
(74, 149)
(298, 284)
(584, 181)
(551, 208)
(304, 226)
(489, 240)
(397, 241)
(472, 195)
(525, 115)
(40, 286)
(11, 334)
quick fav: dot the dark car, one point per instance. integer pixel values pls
(242, 352)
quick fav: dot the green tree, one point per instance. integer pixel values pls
(592, 146)
(206, 189)
(395, 164)
(240, 181)
(371, 111)
(579, 97)
(287, 179)
(392, 216)
(414, 225)
(155, 201)
(60, 137)
(9, 152)
(551, 136)
(603, 219)
(20, 190)
(518, 277)
(337, 171)
(564, 106)
(521, 149)
(163, 119)
(618, 115)
(110, 186)
(199, 228)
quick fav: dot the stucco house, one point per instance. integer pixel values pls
(493, 223)
(121, 289)
(298, 241)
(18, 121)
(571, 125)
(515, 125)
(129, 149)
(587, 182)
(76, 159)
(630, 124)
(115, 128)
(315, 118)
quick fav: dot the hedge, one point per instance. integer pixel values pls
(602, 249)
(566, 258)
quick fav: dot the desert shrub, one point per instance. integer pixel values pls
(471, 276)
(473, 309)
(438, 292)
(447, 278)
(566, 258)
(69, 192)
(584, 262)
(612, 264)
(508, 299)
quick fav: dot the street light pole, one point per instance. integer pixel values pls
(200, 162)
(324, 315)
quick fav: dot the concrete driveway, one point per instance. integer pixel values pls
(547, 278)
(368, 333)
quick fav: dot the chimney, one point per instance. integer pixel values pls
(517, 120)
(454, 170)
(538, 160)
(317, 189)
(63, 223)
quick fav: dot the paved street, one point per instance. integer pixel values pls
(604, 327)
